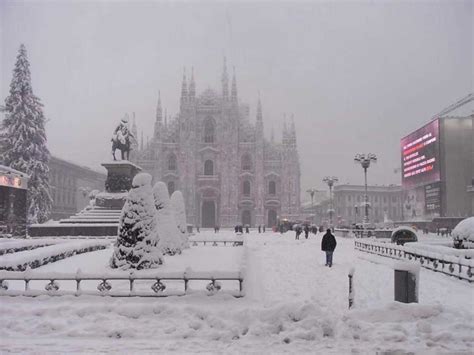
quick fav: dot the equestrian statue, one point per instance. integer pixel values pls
(122, 139)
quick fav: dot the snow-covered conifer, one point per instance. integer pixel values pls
(137, 242)
(170, 237)
(177, 201)
(23, 139)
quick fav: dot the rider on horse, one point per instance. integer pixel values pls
(122, 138)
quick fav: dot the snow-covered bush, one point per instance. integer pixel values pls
(463, 234)
(170, 241)
(136, 245)
(177, 201)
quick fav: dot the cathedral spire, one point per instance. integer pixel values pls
(192, 86)
(184, 88)
(293, 130)
(159, 110)
(166, 118)
(225, 81)
(259, 110)
(234, 88)
(141, 145)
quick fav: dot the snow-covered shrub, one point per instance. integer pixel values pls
(463, 234)
(177, 202)
(136, 245)
(170, 241)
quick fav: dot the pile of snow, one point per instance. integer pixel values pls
(177, 201)
(17, 245)
(171, 241)
(463, 234)
(137, 243)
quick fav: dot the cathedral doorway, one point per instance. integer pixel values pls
(272, 218)
(208, 214)
(246, 218)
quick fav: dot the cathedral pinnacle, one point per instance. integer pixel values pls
(234, 88)
(259, 110)
(192, 86)
(225, 81)
(159, 110)
(184, 88)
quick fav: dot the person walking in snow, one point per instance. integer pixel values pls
(306, 231)
(328, 244)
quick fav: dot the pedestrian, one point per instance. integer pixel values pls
(247, 229)
(328, 244)
(259, 229)
(306, 231)
(263, 228)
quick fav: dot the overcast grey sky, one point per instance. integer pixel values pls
(356, 75)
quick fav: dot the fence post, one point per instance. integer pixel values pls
(351, 288)
(406, 281)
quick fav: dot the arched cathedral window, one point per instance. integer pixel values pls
(246, 162)
(272, 188)
(209, 131)
(172, 162)
(246, 188)
(208, 167)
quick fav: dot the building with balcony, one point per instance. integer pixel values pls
(228, 171)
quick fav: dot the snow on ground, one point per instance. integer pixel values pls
(293, 304)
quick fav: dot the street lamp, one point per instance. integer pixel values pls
(330, 180)
(364, 160)
(311, 192)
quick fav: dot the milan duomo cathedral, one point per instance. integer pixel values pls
(228, 172)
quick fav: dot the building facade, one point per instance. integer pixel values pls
(385, 204)
(438, 164)
(70, 185)
(228, 172)
(13, 205)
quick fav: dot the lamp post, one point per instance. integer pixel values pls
(311, 192)
(364, 160)
(330, 180)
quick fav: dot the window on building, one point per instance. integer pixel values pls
(246, 188)
(208, 167)
(209, 131)
(272, 188)
(172, 162)
(246, 162)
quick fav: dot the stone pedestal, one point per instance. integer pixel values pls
(120, 175)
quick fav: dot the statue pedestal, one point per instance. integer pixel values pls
(120, 175)
(101, 218)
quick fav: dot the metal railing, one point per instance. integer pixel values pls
(104, 287)
(215, 243)
(459, 267)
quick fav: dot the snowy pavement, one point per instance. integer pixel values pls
(293, 304)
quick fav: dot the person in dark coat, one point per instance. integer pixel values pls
(328, 244)
(306, 231)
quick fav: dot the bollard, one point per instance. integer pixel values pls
(406, 280)
(351, 288)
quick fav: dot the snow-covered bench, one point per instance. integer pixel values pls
(215, 243)
(41, 256)
(104, 287)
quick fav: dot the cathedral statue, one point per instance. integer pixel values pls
(121, 139)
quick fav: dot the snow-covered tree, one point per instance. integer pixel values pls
(137, 242)
(23, 139)
(170, 237)
(177, 202)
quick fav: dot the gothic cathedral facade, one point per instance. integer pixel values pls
(227, 171)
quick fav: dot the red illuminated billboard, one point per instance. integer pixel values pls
(420, 156)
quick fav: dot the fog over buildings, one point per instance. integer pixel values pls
(357, 76)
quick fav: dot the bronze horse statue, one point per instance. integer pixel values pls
(121, 140)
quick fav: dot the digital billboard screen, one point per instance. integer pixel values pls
(420, 156)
